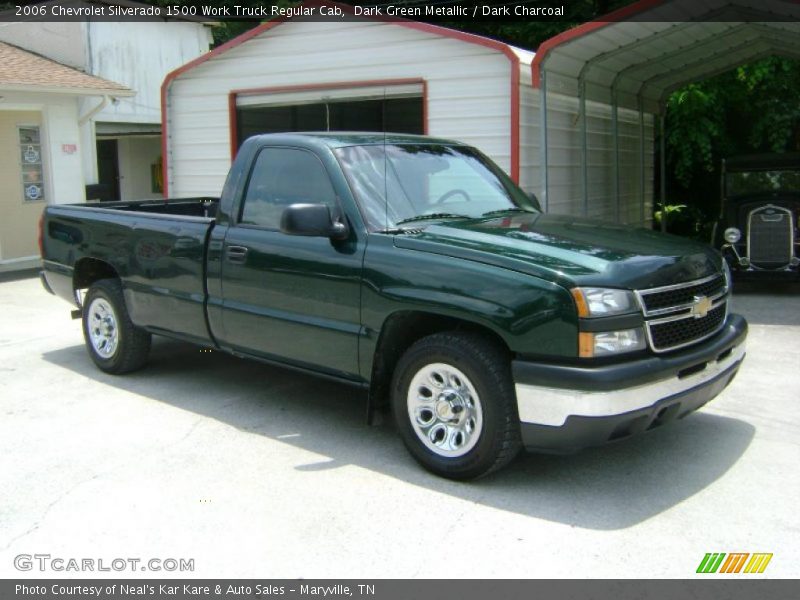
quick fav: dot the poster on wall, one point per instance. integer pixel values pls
(31, 162)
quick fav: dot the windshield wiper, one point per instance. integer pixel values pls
(433, 216)
(504, 210)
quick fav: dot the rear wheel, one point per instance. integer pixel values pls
(115, 344)
(453, 401)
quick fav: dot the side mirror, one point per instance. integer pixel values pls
(312, 220)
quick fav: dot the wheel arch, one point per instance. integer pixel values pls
(400, 330)
(89, 270)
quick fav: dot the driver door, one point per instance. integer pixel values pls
(290, 298)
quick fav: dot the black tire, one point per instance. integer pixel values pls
(487, 368)
(132, 344)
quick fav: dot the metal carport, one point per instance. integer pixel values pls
(636, 57)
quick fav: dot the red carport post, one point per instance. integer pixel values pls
(543, 137)
(584, 145)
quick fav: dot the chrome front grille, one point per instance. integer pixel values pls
(672, 297)
(682, 332)
(680, 315)
(770, 234)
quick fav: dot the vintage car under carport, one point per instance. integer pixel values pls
(634, 59)
(757, 229)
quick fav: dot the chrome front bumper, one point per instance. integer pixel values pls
(551, 406)
(564, 408)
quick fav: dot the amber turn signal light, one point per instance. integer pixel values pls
(580, 302)
(585, 344)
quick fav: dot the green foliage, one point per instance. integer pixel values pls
(753, 108)
(773, 88)
(694, 123)
(667, 210)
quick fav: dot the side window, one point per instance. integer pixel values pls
(281, 177)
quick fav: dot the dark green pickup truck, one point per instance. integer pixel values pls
(415, 268)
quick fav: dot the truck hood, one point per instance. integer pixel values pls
(568, 250)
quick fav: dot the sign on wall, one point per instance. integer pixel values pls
(31, 162)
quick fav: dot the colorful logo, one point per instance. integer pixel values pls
(736, 562)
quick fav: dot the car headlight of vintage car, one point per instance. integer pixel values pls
(732, 235)
(603, 302)
(607, 343)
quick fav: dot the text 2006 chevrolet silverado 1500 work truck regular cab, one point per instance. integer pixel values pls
(416, 268)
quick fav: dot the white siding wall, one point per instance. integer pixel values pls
(139, 55)
(468, 88)
(61, 42)
(59, 121)
(565, 175)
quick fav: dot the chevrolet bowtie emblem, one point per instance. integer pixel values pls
(701, 306)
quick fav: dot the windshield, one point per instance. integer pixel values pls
(417, 182)
(750, 182)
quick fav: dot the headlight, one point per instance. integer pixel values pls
(607, 343)
(603, 302)
(732, 235)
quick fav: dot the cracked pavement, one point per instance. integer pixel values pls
(253, 471)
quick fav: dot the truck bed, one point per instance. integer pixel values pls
(156, 247)
(205, 207)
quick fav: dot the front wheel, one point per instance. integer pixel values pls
(454, 404)
(115, 344)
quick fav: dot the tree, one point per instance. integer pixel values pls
(752, 108)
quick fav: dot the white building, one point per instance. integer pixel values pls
(137, 55)
(40, 137)
(362, 74)
(92, 90)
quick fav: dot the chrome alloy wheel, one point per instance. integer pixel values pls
(445, 410)
(103, 330)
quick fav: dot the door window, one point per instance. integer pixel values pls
(282, 177)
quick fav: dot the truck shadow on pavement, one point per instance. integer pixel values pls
(607, 488)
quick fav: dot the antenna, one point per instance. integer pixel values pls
(385, 159)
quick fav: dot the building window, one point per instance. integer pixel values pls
(30, 152)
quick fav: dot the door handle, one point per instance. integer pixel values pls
(236, 254)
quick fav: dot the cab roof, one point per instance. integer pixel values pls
(340, 139)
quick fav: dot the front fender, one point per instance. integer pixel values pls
(532, 316)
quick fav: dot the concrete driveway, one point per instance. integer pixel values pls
(252, 471)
